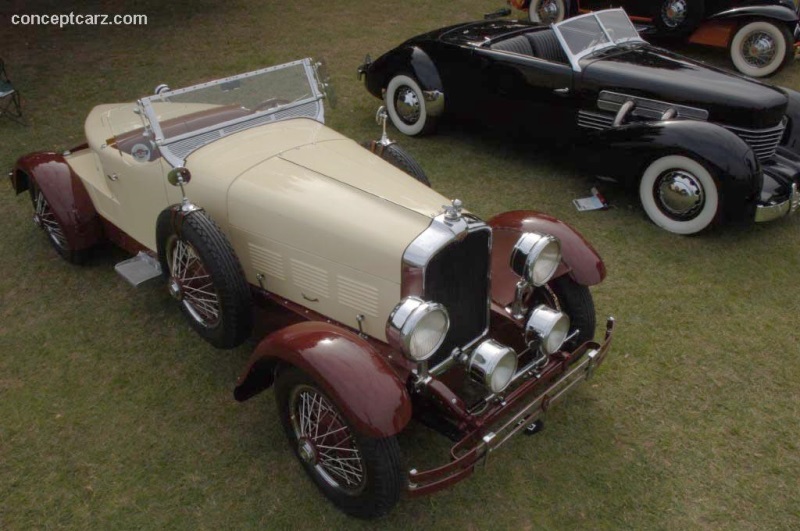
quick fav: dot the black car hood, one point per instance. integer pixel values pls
(658, 74)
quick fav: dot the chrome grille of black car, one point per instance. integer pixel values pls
(458, 278)
(763, 141)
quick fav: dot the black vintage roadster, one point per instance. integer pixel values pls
(703, 146)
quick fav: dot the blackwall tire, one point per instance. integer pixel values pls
(44, 217)
(761, 48)
(405, 103)
(400, 159)
(205, 276)
(576, 301)
(363, 477)
(679, 195)
(678, 17)
(547, 11)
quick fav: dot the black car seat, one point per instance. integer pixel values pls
(545, 46)
(519, 45)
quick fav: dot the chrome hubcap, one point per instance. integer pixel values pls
(325, 442)
(174, 288)
(548, 12)
(674, 13)
(680, 194)
(407, 104)
(191, 284)
(44, 218)
(759, 49)
(306, 451)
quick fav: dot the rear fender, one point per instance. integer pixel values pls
(778, 13)
(66, 194)
(579, 259)
(625, 152)
(347, 368)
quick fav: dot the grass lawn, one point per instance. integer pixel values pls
(114, 414)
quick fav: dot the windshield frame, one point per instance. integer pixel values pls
(574, 58)
(257, 118)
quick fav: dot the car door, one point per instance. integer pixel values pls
(528, 93)
(135, 174)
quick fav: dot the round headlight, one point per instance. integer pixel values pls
(535, 257)
(492, 365)
(417, 328)
(551, 326)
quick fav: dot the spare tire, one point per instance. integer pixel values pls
(204, 276)
(399, 158)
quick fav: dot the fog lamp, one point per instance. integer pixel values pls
(550, 326)
(492, 365)
(417, 328)
(535, 257)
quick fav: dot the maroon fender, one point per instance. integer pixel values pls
(350, 371)
(64, 191)
(579, 259)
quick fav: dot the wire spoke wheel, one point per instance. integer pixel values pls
(363, 476)
(191, 283)
(325, 442)
(45, 218)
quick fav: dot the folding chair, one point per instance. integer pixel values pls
(9, 97)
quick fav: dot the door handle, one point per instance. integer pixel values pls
(561, 91)
(112, 176)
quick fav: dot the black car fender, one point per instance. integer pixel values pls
(406, 59)
(628, 150)
(791, 138)
(779, 13)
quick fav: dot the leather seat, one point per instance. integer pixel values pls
(545, 46)
(519, 45)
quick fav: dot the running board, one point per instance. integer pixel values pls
(139, 269)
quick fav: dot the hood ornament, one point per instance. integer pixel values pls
(453, 213)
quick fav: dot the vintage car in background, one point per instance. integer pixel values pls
(703, 146)
(760, 35)
(394, 301)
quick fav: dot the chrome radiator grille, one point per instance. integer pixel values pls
(763, 141)
(458, 278)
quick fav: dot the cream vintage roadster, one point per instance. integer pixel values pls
(400, 302)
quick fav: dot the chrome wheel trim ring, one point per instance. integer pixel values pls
(679, 194)
(407, 104)
(325, 441)
(191, 284)
(674, 13)
(44, 218)
(759, 49)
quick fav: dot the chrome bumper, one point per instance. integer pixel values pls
(516, 414)
(771, 212)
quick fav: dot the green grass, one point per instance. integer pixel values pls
(113, 414)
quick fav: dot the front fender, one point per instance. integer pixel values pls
(779, 13)
(579, 259)
(66, 194)
(625, 152)
(409, 59)
(350, 371)
(791, 139)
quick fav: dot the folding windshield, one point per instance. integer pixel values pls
(586, 34)
(186, 119)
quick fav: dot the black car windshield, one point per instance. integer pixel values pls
(588, 33)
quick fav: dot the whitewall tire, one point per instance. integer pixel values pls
(679, 194)
(547, 11)
(405, 103)
(761, 48)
